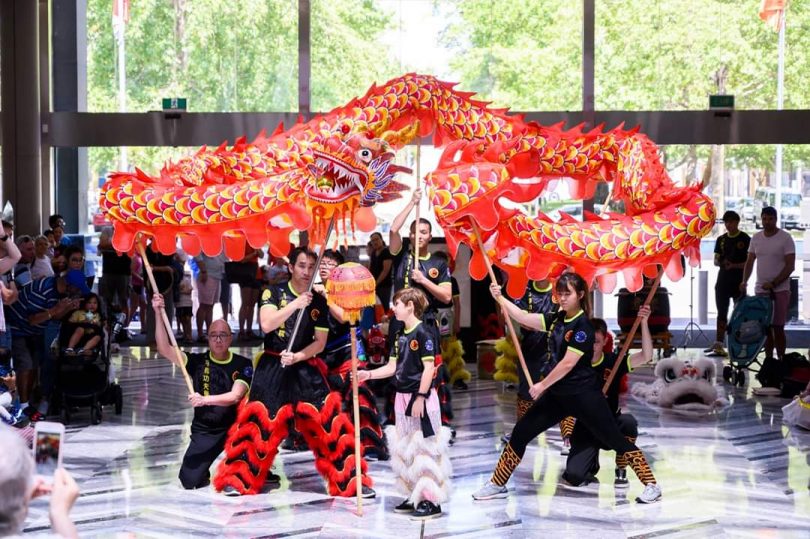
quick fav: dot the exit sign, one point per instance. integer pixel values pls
(174, 103)
(721, 102)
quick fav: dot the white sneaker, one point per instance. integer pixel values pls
(566, 448)
(651, 494)
(490, 491)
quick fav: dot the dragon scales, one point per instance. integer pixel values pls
(340, 164)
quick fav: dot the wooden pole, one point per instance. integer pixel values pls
(416, 221)
(358, 472)
(165, 321)
(509, 324)
(628, 341)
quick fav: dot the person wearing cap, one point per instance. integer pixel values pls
(775, 254)
(730, 254)
(39, 302)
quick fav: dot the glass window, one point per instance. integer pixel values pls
(742, 178)
(240, 55)
(527, 57)
(666, 55)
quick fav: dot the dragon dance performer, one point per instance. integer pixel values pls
(432, 278)
(418, 441)
(290, 388)
(537, 299)
(338, 359)
(583, 461)
(220, 380)
(572, 388)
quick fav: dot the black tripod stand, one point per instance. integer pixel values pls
(692, 328)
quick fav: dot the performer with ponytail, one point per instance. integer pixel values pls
(572, 388)
(418, 442)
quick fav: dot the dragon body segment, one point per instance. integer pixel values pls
(342, 163)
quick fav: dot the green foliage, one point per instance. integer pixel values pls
(347, 53)
(242, 55)
(525, 54)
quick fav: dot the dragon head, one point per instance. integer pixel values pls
(351, 163)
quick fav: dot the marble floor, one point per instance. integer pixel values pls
(738, 473)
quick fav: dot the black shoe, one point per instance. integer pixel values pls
(426, 510)
(460, 384)
(231, 491)
(367, 493)
(404, 507)
(273, 479)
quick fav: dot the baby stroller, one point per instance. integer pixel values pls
(84, 379)
(746, 334)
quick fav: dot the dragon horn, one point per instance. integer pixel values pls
(400, 138)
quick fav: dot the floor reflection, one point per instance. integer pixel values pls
(738, 472)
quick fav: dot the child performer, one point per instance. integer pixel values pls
(418, 442)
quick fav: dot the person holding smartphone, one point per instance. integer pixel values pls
(221, 378)
(19, 484)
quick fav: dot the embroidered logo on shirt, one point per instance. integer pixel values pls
(580, 336)
(414, 344)
(266, 295)
(568, 335)
(433, 273)
(740, 245)
(429, 345)
(315, 313)
(248, 372)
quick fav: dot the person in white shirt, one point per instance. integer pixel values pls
(41, 267)
(775, 253)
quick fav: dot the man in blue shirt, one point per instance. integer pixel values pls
(38, 302)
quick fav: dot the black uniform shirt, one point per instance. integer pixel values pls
(576, 335)
(314, 319)
(433, 268)
(214, 377)
(411, 348)
(535, 300)
(735, 250)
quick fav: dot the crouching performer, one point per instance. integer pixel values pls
(220, 379)
(289, 389)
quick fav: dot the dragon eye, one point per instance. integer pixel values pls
(670, 376)
(364, 155)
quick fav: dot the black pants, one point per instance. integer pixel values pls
(583, 461)
(588, 406)
(201, 453)
(723, 294)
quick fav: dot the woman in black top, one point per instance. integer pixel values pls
(571, 388)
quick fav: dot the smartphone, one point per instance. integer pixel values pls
(48, 439)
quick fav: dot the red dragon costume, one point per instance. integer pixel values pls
(341, 163)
